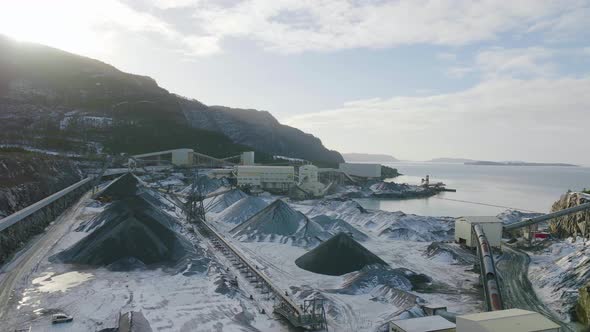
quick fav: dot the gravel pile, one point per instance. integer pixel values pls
(242, 210)
(339, 255)
(221, 202)
(279, 222)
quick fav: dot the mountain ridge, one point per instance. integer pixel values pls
(368, 157)
(52, 98)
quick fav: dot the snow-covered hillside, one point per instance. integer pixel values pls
(559, 271)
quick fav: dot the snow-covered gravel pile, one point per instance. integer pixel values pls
(387, 225)
(512, 216)
(223, 201)
(559, 271)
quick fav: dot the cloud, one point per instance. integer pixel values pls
(501, 118)
(290, 26)
(333, 24)
(565, 25)
(527, 62)
(459, 71)
(445, 56)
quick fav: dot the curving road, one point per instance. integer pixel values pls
(16, 273)
(517, 292)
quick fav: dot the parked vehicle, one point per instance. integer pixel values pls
(61, 318)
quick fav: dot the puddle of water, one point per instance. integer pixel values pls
(27, 300)
(50, 282)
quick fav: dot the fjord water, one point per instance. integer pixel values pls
(532, 188)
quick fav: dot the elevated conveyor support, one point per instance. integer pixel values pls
(310, 316)
(547, 216)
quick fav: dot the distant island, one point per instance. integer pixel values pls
(451, 160)
(514, 163)
(368, 157)
(494, 163)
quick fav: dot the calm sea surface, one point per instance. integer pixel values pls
(532, 188)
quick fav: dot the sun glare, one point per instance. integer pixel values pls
(66, 25)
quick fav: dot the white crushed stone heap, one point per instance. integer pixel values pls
(242, 210)
(385, 224)
(559, 272)
(279, 221)
(221, 202)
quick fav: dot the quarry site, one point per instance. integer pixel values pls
(169, 243)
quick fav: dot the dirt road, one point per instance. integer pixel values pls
(517, 291)
(15, 274)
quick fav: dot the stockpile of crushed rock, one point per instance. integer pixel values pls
(512, 216)
(279, 222)
(130, 233)
(385, 224)
(335, 226)
(337, 256)
(123, 187)
(567, 268)
(365, 280)
(242, 210)
(205, 185)
(451, 253)
(223, 201)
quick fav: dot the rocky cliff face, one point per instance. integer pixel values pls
(57, 100)
(577, 224)
(26, 178)
(258, 129)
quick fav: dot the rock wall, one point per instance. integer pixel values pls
(26, 178)
(577, 224)
(16, 236)
(583, 306)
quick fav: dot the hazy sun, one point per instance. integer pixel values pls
(66, 24)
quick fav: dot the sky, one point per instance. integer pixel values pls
(419, 79)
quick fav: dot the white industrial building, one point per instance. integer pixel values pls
(361, 169)
(308, 173)
(492, 227)
(308, 180)
(247, 158)
(273, 178)
(422, 324)
(506, 320)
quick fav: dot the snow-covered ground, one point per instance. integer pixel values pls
(96, 296)
(203, 302)
(384, 224)
(400, 240)
(512, 216)
(558, 272)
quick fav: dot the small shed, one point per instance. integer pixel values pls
(422, 324)
(433, 309)
(492, 227)
(133, 321)
(506, 320)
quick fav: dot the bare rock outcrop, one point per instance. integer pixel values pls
(26, 178)
(577, 224)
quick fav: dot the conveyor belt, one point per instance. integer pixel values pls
(278, 292)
